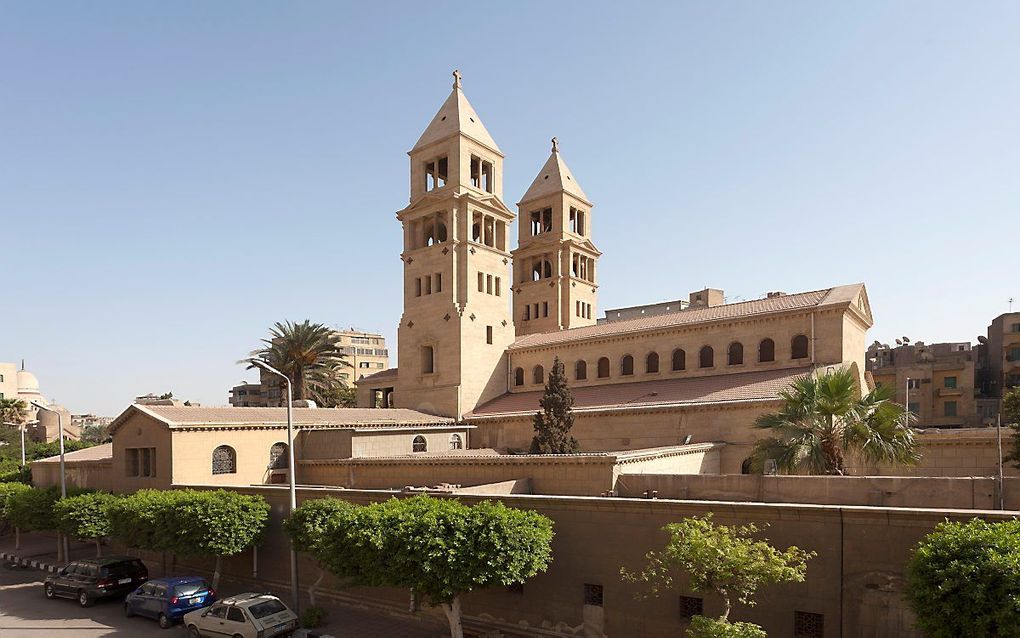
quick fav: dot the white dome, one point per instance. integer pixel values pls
(27, 383)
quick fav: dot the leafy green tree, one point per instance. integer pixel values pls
(440, 549)
(553, 423)
(13, 411)
(1011, 417)
(32, 510)
(85, 517)
(823, 421)
(7, 492)
(219, 523)
(336, 396)
(963, 580)
(308, 525)
(309, 354)
(725, 560)
(702, 627)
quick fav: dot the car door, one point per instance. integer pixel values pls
(238, 623)
(158, 600)
(143, 599)
(214, 621)
(63, 583)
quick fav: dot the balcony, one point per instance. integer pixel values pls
(950, 392)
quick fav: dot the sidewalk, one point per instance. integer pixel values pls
(38, 550)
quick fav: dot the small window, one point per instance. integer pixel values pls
(519, 376)
(545, 308)
(603, 368)
(581, 370)
(593, 594)
(235, 614)
(538, 375)
(456, 443)
(679, 360)
(706, 358)
(488, 284)
(428, 363)
(499, 286)
(808, 625)
(224, 460)
(417, 287)
(949, 382)
(691, 606)
(481, 282)
(766, 350)
(527, 312)
(488, 335)
(439, 283)
(799, 347)
(652, 363)
(419, 444)
(627, 365)
(914, 384)
(735, 354)
(949, 408)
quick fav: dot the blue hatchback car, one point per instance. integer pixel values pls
(168, 599)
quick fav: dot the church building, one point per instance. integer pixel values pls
(483, 323)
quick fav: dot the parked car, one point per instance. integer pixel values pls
(247, 615)
(168, 599)
(89, 579)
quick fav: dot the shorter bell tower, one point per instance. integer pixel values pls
(554, 264)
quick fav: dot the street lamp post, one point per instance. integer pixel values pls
(63, 475)
(262, 365)
(21, 428)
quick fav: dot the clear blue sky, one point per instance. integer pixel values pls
(174, 177)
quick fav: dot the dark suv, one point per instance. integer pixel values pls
(90, 578)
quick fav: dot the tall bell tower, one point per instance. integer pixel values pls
(456, 324)
(554, 264)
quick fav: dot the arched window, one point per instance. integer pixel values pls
(745, 467)
(546, 268)
(706, 358)
(456, 443)
(440, 232)
(679, 360)
(538, 375)
(627, 365)
(652, 362)
(604, 368)
(766, 350)
(224, 460)
(278, 457)
(735, 354)
(799, 347)
(519, 376)
(581, 370)
(419, 444)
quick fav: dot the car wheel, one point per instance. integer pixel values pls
(84, 599)
(193, 632)
(48, 590)
(128, 611)
(164, 622)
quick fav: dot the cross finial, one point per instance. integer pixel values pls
(556, 145)
(456, 78)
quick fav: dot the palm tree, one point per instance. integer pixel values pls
(824, 420)
(309, 354)
(13, 411)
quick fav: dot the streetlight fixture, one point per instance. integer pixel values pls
(21, 428)
(63, 475)
(262, 365)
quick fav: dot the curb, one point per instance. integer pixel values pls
(24, 562)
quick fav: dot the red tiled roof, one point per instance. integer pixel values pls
(722, 388)
(782, 303)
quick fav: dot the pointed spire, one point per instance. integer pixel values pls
(456, 115)
(554, 177)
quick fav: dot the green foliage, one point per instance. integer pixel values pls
(963, 580)
(702, 627)
(309, 523)
(12, 471)
(313, 616)
(31, 510)
(822, 421)
(336, 396)
(553, 423)
(13, 411)
(142, 519)
(1011, 417)
(7, 492)
(85, 516)
(439, 548)
(310, 355)
(726, 560)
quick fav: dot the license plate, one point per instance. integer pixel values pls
(198, 599)
(123, 581)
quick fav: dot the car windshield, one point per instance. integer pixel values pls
(125, 568)
(190, 589)
(267, 608)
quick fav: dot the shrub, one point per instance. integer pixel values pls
(11, 471)
(32, 509)
(963, 580)
(313, 616)
(7, 492)
(702, 627)
(85, 517)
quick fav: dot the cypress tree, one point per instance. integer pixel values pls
(553, 423)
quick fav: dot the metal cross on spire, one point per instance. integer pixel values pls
(456, 78)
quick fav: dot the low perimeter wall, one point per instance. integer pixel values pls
(972, 492)
(854, 586)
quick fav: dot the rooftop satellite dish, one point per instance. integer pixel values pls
(899, 343)
(906, 340)
(982, 339)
